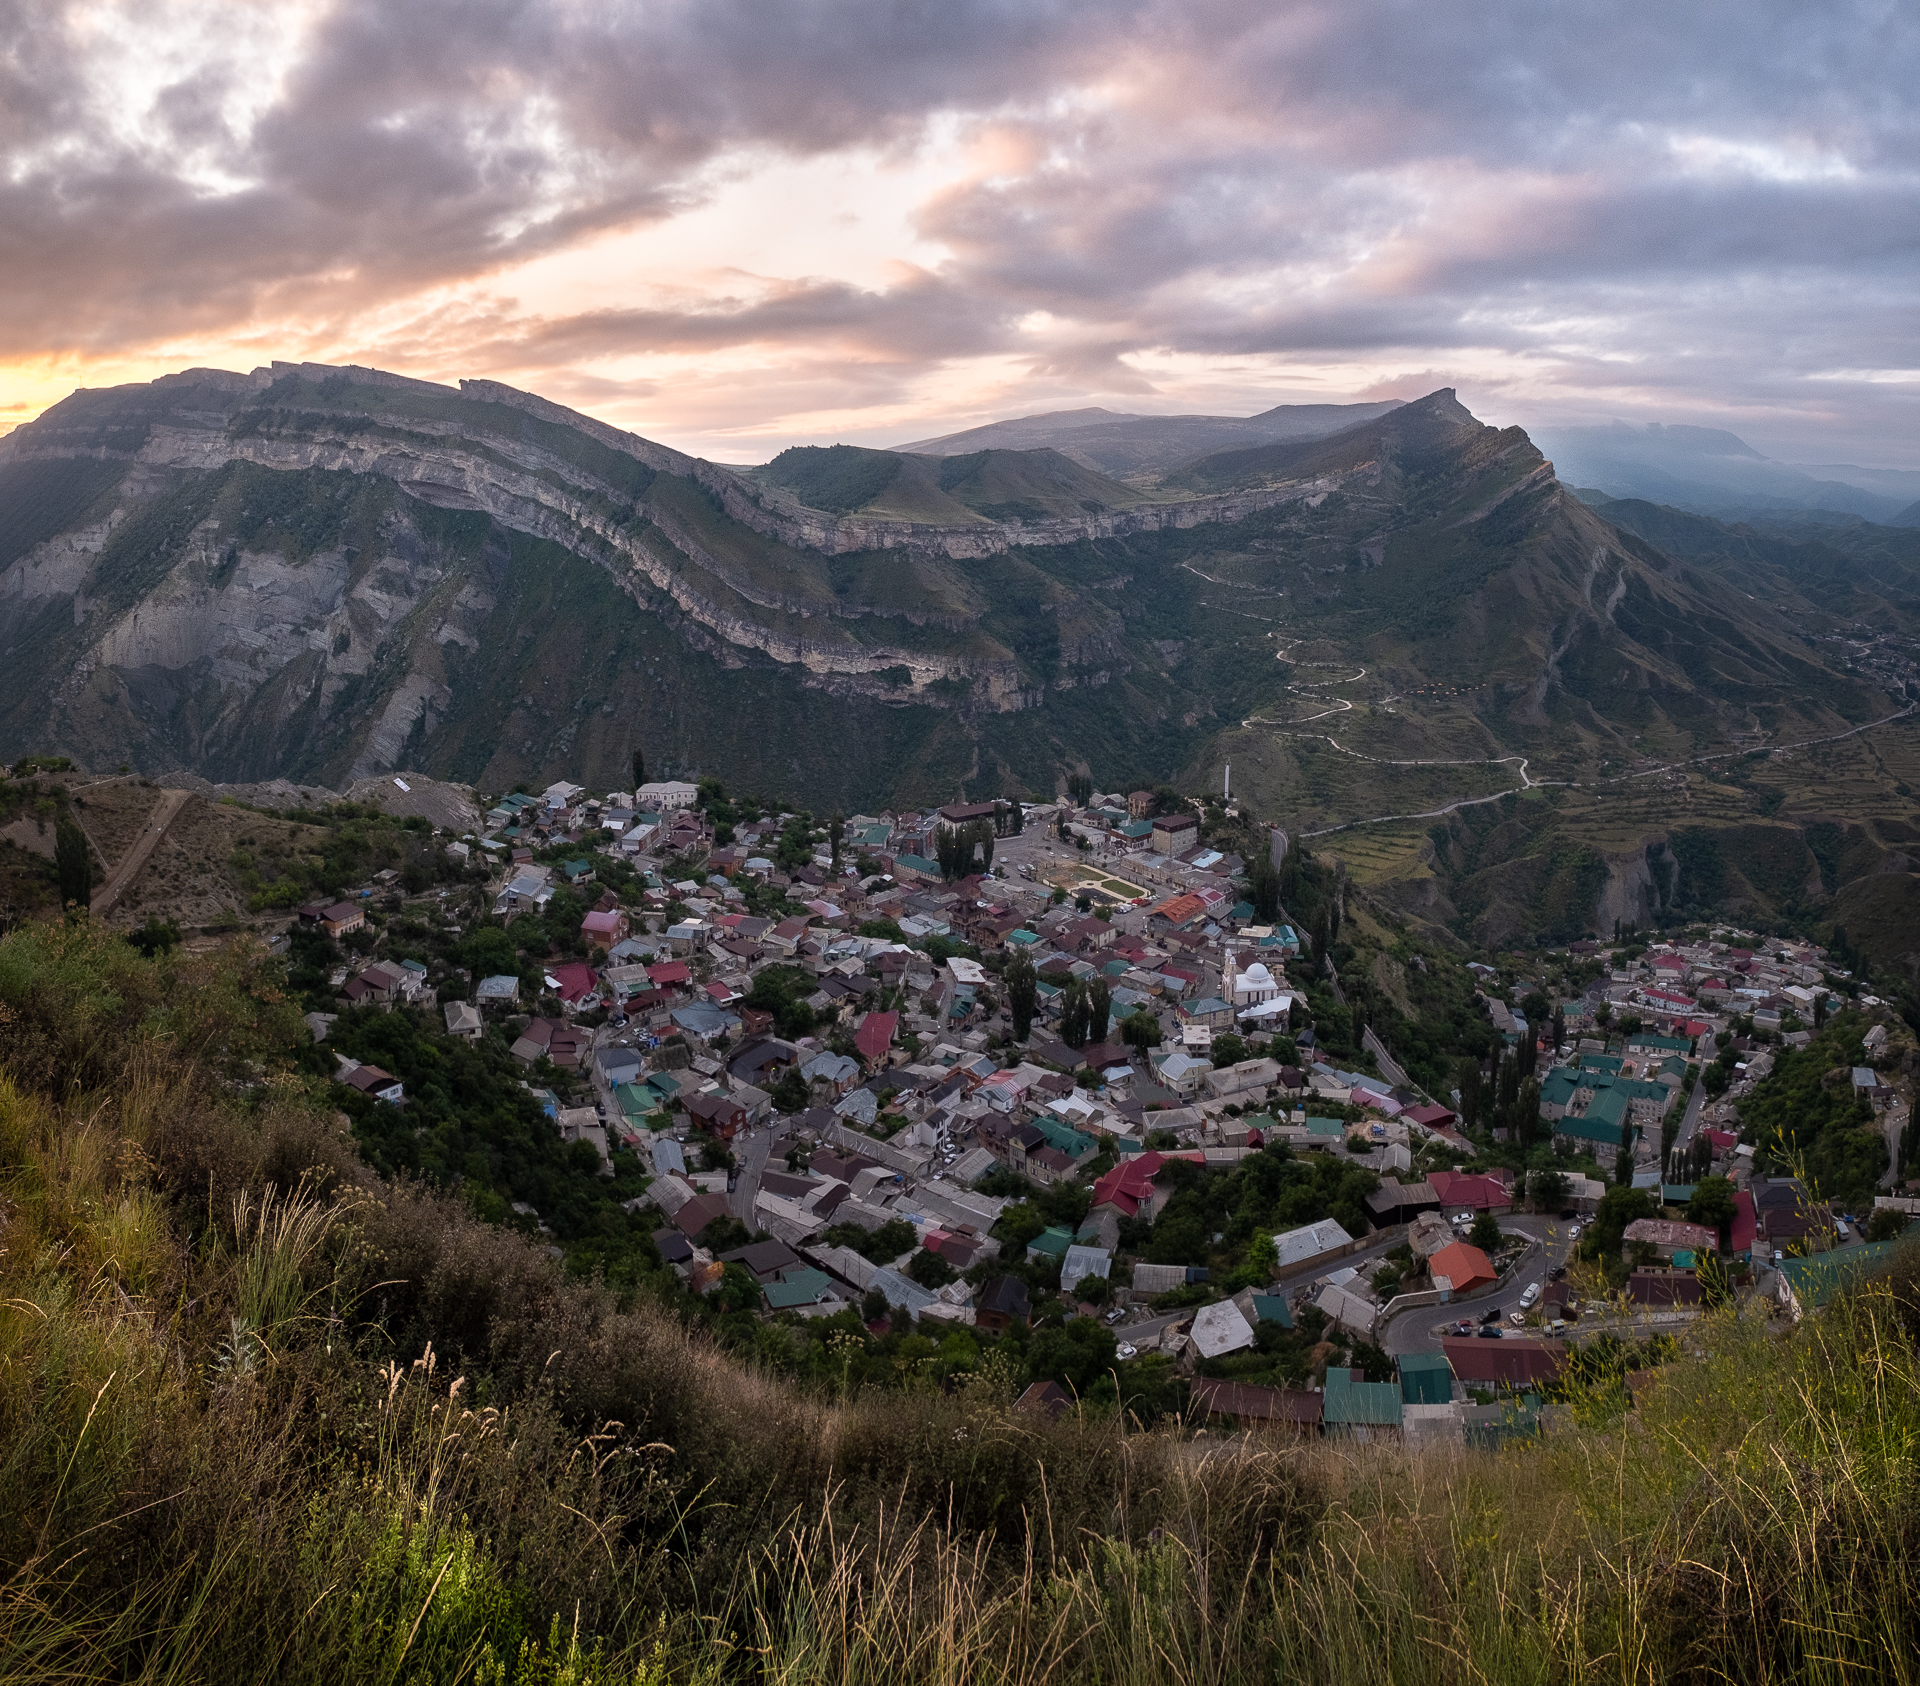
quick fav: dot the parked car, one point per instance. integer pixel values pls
(1490, 1332)
(1464, 1326)
(1532, 1294)
(1518, 1319)
(1123, 1350)
(1556, 1273)
(1463, 1217)
(1574, 1233)
(1492, 1317)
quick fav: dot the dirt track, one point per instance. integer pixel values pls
(171, 802)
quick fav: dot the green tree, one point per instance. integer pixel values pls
(1485, 1233)
(836, 830)
(1099, 1009)
(638, 767)
(1712, 1205)
(1140, 1029)
(1548, 1191)
(1092, 1290)
(1073, 1016)
(72, 864)
(930, 1270)
(1263, 888)
(1886, 1223)
(1022, 993)
(156, 936)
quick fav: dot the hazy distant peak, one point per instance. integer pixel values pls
(1139, 447)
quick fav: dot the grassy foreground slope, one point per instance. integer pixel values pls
(262, 1416)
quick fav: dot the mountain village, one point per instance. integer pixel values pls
(952, 1069)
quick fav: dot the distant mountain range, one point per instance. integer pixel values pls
(1713, 472)
(325, 574)
(1126, 446)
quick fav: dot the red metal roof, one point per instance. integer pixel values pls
(1741, 1232)
(1477, 1191)
(1517, 1363)
(577, 980)
(1465, 1267)
(875, 1035)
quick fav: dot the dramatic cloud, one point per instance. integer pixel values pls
(735, 223)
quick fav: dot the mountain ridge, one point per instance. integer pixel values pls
(323, 573)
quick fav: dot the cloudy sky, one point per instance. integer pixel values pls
(739, 224)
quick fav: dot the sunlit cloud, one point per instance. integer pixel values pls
(734, 226)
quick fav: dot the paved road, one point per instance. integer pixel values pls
(1698, 1099)
(750, 1151)
(1389, 1069)
(171, 802)
(1417, 1330)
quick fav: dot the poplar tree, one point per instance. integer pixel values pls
(72, 864)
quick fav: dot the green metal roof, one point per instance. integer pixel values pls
(1426, 1378)
(1051, 1242)
(1590, 1129)
(1351, 1404)
(1073, 1143)
(1816, 1280)
(1272, 1308)
(804, 1286)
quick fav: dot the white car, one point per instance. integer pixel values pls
(1124, 1350)
(1530, 1296)
(1574, 1233)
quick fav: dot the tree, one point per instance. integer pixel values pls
(1263, 889)
(639, 769)
(72, 864)
(1073, 1016)
(1468, 1080)
(1140, 1029)
(1080, 788)
(1099, 1009)
(1712, 1205)
(1092, 1290)
(157, 936)
(930, 1270)
(1886, 1223)
(1485, 1233)
(836, 830)
(1548, 1191)
(1016, 819)
(1623, 1166)
(790, 1093)
(1022, 992)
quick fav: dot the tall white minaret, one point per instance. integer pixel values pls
(1226, 793)
(1229, 975)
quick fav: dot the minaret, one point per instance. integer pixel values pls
(1229, 971)
(1226, 792)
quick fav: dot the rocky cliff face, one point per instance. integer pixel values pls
(301, 571)
(321, 573)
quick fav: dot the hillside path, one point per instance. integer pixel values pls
(171, 802)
